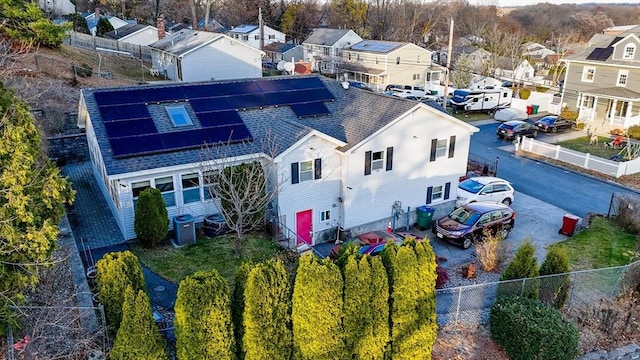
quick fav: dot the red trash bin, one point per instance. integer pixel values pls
(529, 109)
(569, 223)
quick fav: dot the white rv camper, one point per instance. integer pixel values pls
(487, 100)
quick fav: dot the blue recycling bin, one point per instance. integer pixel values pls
(425, 215)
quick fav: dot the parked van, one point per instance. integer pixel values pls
(487, 100)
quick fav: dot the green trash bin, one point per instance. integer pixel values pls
(425, 215)
(535, 109)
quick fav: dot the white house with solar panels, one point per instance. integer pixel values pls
(381, 63)
(346, 157)
(323, 48)
(190, 55)
(250, 35)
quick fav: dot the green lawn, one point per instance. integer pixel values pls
(582, 144)
(602, 245)
(175, 264)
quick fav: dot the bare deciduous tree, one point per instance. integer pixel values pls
(243, 187)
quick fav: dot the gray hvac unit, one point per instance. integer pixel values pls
(184, 229)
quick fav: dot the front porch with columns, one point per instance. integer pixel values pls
(607, 109)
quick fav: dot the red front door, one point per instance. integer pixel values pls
(304, 227)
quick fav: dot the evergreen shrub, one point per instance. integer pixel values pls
(523, 266)
(528, 329)
(152, 221)
(554, 290)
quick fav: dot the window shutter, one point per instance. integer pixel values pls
(317, 168)
(447, 190)
(434, 146)
(367, 163)
(294, 173)
(452, 145)
(429, 194)
(389, 158)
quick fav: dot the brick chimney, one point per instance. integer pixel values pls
(160, 26)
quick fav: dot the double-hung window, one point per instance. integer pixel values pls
(165, 185)
(438, 193)
(623, 77)
(442, 147)
(378, 160)
(307, 170)
(629, 52)
(588, 74)
(190, 188)
(137, 188)
(210, 181)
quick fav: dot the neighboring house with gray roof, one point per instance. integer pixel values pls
(602, 82)
(323, 48)
(137, 34)
(344, 157)
(190, 55)
(250, 35)
(381, 63)
(478, 57)
(289, 52)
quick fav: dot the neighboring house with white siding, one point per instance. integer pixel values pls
(137, 34)
(344, 157)
(602, 81)
(190, 55)
(94, 17)
(323, 48)
(250, 35)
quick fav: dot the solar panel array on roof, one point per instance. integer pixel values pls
(375, 46)
(600, 54)
(615, 40)
(132, 131)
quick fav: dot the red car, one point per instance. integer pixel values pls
(370, 243)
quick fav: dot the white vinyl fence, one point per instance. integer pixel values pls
(587, 161)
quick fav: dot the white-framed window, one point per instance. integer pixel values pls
(190, 188)
(588, 74)
(166, 187)
(437, 193)
(377, 160)
(325, 215)
(587, 102)
(305, 170)
(629, 52)
(257, 37)
(137, 188)
(441, 148)
(271, 37)
(245, 37)
(416, 76)
(327, 50)
(623, 77)
(210, 182)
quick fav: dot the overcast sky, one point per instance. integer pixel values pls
(504, 3)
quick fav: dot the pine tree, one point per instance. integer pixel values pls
(117, 271)
(138, 337)
(267, 313)
(203, 326)
(317, 310)
(104, 26)
(33, 196)
(151, 222)
(523, 266)
(554, 290)
(23, 22)
(365, 287)
(426, 276)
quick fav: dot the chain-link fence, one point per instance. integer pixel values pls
(51, 332)
(471, 304)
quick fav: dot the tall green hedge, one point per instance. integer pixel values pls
(267, 313)
(237, 304)
(366, 308)
(203, 326)
(151, 223)
(138, 337)
(317, 310)
(412, 288)
(523, 266)
(554, 290)
(528, 329)
(116, 271)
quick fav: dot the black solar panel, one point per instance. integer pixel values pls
(211, 104)
(151, 95)
(122, 97)
(184, 139)
(274, 85)
(615, 40)
(136, 145)
(312, 95)
(248, 101)
(231, 133)
(306, 83)
(201, 91)
(280, 98)
(219, 118)
(600, 54)
(309, 109)
(124, 112)
(117, 129)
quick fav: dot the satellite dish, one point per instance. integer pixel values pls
(280, 65)
(288, 66)
(345, 85)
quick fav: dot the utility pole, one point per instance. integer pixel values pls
(261, 25)
(449, 50)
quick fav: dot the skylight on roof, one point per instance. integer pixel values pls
(179, 116)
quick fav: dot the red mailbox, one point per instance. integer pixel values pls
(569, 223)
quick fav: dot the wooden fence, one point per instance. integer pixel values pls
(86, 41)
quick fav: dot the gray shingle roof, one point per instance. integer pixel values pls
(355, 115)
(126, 31)
(603, 41)
(184, 41)
(326, 37)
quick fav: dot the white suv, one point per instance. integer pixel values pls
(485, 188)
